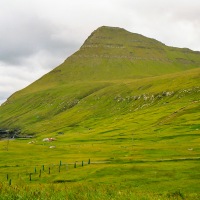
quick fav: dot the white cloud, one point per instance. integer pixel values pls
(37, 35)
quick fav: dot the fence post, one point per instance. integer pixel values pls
(82, 163)
(75, 165)
(30, 176)
(89, 161)
(7, 177)
(40, 173)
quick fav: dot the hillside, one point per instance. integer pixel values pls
(102, 81)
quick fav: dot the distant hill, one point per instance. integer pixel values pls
(115, 78)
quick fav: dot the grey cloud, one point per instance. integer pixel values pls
(24, 36)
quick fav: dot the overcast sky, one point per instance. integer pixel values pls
(38, 35)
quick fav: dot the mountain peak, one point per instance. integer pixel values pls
(107, 35)
(110, 28)
(110, 56)
(115, 53)
(104, 31)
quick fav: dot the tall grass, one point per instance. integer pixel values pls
(84, 192)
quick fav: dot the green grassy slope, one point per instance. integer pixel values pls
(136, 119)
(106, 62)
(86, 105)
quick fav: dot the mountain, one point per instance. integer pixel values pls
(117, 81)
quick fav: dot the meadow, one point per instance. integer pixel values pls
(114, 171)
